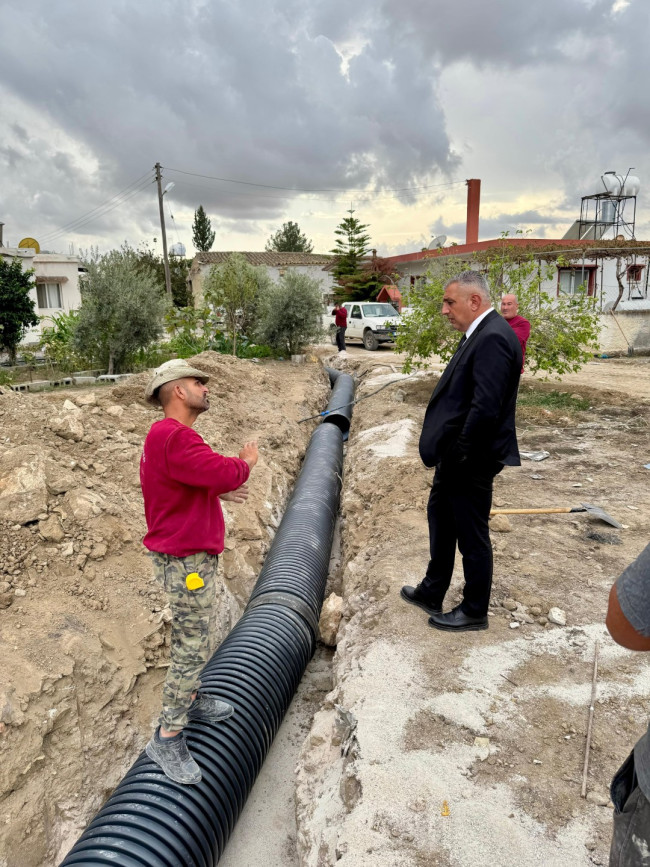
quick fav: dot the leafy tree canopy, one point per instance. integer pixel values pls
(121, 311)
(236, 287)
(178, 268)
(17, 309)
(564, 331)
(202, 234)
(366, 284)
(290, 313)
(289, 239)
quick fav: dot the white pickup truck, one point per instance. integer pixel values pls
(369, 321)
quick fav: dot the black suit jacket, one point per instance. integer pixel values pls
(471, 414)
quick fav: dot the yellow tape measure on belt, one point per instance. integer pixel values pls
(193, 581)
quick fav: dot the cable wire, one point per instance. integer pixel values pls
(88, 214)
(300, 190)
(81, 222)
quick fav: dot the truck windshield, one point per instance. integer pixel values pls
(371, 311)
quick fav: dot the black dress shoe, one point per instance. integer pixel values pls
(457, 621)
(415, 596)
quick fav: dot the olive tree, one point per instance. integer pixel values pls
(290, 313)
(122, 309)
(236, 287)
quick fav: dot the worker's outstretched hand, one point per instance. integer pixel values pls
(249, 453)
(238, 496)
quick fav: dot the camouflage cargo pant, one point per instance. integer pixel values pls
(193, 629)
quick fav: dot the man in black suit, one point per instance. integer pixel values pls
(468, 435)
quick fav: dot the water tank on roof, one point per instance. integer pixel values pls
(632, 186)
(613, 183)
(177, 249)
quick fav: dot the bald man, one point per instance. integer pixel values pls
(521, 326)
(468, 435)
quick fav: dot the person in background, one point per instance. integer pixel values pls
(628, 622)
(340, 315)
(521, 326)
(183, 481)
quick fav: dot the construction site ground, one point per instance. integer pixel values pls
(405, 745)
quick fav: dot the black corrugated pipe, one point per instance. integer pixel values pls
(339, 408)
(151, 821)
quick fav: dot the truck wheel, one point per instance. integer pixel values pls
(333, 335)
(370, 341)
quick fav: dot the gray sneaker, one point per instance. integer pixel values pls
(209, 709)
(174, 758)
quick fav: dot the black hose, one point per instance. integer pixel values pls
(151, 821)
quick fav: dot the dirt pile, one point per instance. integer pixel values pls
(435, 748)
(84, 632)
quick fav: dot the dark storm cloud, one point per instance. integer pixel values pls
(239, 91)
(311, 94)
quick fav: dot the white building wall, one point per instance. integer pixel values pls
(629, 327)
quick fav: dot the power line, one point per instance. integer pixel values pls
(300, 190)
(251, 195)
(117, 199)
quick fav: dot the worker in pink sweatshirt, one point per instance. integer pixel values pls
(183, 481)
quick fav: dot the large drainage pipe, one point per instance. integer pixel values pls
(151, 821)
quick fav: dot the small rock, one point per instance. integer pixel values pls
(514, 625)
(557, 616)
(535, 611)
(500, 524)
(115, 410)
(600, 799)
(69, 406)
(87, 399)
(20, 592)
(68, 427)
(482, 748)
(67, 550)
(98, 551)
(6, 599)
(330, 619)
(51, 529)
(509, 604)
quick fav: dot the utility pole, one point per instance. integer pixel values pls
(168, 276)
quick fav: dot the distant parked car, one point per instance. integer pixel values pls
(369, 321)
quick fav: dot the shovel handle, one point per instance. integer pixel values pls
(553, 511)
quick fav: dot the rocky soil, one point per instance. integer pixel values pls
(83, 628)
(413, 747)
(439, 749)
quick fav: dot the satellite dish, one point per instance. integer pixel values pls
(437, 242)
(30, 243)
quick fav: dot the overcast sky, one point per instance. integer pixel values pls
(386, 107)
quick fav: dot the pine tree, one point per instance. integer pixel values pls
(202, 234)
(289, 239)
(350, 249)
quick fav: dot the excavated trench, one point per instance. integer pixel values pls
(83, 630)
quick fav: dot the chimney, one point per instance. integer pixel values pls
(473, 207)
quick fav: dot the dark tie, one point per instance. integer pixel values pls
(463, 341)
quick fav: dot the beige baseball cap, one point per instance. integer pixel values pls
(177, 368)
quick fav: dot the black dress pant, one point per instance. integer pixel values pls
(458, 512)
(340, 338)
